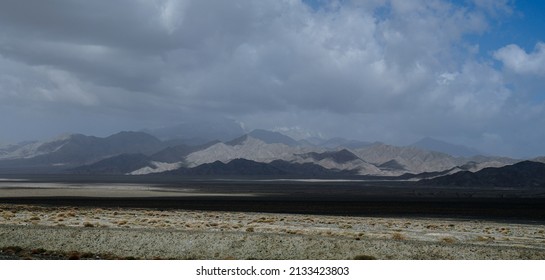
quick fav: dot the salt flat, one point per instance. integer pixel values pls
(30, 189)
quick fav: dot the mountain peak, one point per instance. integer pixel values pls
(341, 142)
(342, 156)
(238, 141)
(521, 174)
(432, 144)
(205, 129)
(271, 137)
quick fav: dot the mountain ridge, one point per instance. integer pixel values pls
(518, 175)
(432, 144)
(102, 154)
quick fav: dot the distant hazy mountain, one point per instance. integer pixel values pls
(245, 147)
(141, 153)
(313, 141)
(270, 137)
(77, 149)
(178, 152)
(169, 158)
(522, 174)
(410, 159)
(444, 147)
(342, 156)
(121, 164)
(341, 142)
(200, 131)
(539, 159)
(340, 160)
(19, 150)
(375, 159)
(392, 165)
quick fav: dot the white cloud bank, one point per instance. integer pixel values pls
(519, 61)
(391, 70)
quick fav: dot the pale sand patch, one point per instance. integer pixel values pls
(8, 190)
(215, 234)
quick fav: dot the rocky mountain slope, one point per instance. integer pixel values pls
(140, 153)
(75, 150)
(431, 144)
(522, 174)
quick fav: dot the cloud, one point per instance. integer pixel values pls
(265, 56)
(519, 61)
(376, 70)
(495, 7)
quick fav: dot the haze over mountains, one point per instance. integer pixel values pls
(257, 153)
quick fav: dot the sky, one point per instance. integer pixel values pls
(469, 72)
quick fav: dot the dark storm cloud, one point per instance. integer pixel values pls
(133, 25)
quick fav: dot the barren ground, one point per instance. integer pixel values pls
(183, 234)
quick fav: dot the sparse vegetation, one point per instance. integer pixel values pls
(38, 251)
(11, 249)
(41, 253)
(448, 240)
(351, 229)
(432, 227)
(398, 236)
(484, 238)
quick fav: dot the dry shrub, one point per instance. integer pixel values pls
(250, 229)
(398, 236)
(11, 249)
(38, 251)
(448, 240)
(485, 238)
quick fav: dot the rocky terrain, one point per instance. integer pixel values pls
(139, 153)
(87, 232)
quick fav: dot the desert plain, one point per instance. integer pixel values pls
(95, 230)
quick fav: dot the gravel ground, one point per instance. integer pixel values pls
(181, 234)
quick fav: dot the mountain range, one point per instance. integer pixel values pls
(257, 153)
(525, 174)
